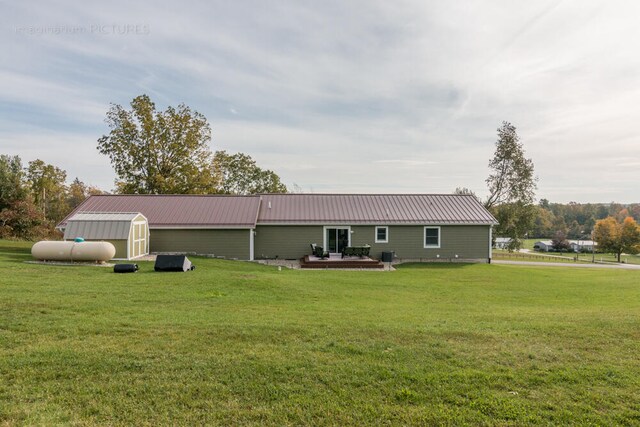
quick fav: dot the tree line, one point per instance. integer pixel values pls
(577, 220)
(34, 198)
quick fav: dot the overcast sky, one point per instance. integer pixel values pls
(344, 96)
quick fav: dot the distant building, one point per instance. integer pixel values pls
(582, 245)
(502, 242)
(543, 246)
(575, 245)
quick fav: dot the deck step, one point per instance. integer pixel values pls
(364, 263)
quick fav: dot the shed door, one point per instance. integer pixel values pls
(140, 243)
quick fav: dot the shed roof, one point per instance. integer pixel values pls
(100, 225)
(104, 216)
(372, 209)
(178, 210)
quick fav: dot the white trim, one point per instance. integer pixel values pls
(424, 237)
(386, 234)
(251, 245)
(342, 227)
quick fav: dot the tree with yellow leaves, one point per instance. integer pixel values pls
(618, 237)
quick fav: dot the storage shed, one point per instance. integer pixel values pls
(127, 231)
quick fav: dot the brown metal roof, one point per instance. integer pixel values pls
(179, 210)
(372, 209)
(217, 211)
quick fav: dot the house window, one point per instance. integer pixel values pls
(432, 237)
(382, 234)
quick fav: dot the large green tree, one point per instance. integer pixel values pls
(239, 174)
(511, 184)
(158, 152)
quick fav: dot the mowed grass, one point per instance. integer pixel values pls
(235, 343)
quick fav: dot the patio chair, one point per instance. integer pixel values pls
(319, 251)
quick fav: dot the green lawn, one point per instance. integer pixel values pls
(235, 343)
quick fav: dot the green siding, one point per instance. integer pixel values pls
(286, 241)
(292, 241)
(467, 241)
(218, 242)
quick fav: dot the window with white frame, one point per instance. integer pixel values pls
(432, 237)
(382, 234)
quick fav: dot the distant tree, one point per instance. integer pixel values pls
(11, 180)
(464, 191)
(544, 203)
(512, 186)
(622, 214)
(575, 230)
(515, 222)
(295, 188)
(560, 242)
(158, 152)
(602, 212)
(48, 188)
(543, 223)
(512, 177)
(614, 209)
(78, 191)
(23, 220)
(559, 225)
(239, 174)
(618, 238)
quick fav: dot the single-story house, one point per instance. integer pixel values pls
(502, 242)
(582, 245)
(543, 246)
(127, 231)
(574, 245)
(269, 226)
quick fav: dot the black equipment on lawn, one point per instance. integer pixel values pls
(125, 268)
(173, 263)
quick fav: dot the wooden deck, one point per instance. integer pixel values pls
(336, 261)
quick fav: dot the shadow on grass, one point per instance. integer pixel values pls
(432, 265)
(25, 250)
(15, 253)
(16, 257)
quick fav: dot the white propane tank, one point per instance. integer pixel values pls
(73, 251)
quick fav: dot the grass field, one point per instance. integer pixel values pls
(235, 343)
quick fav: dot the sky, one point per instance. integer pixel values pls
(340, 96)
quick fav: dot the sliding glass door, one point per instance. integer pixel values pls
(337, 238)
